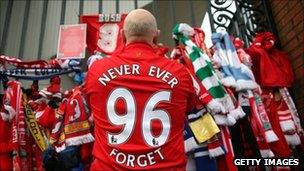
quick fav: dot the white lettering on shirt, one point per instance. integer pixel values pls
(112, 73)
(141, 160)
(164, 75)
(104, 79)
(151, 71)
(134, 69)
(127, 69)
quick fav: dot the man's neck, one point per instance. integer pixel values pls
(137, 39)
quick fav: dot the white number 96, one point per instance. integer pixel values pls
(128, 120)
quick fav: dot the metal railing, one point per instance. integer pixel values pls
(242, 18)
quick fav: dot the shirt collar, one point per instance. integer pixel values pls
(142, 45)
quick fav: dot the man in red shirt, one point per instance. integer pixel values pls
(139, 100)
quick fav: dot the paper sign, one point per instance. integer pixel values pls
(72, 41)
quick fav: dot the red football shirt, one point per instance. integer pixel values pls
(139, 100)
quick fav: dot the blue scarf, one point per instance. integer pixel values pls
(235, 74)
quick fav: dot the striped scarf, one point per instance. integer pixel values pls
(203, 154)
(201, 62)
(207, 75)
(54, 63)
(286, 120)
(257, 106)
(235, 73)
(259, 120)
(179, 54)
(72, 126)
(13, 104)
(259, 128)
(292, 108)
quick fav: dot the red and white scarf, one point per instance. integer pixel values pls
(287, 124)
(14, 105)
(280, 148)
(77, 128)
(259, 120)
(269, 134)
(72, 126)
(226, 162)
(54, 63)
(57, 137)
(258, 128)
(294, 113)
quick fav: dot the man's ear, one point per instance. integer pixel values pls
(155, 38)
(122, 33)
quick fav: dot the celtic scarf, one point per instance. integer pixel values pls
(207, 75)
(201, 62)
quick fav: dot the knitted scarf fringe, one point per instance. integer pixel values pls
(87, 138)
(271, 136)
(293, 139)
(266, 153)
(215, 152)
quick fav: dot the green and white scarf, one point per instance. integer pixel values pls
(201, 62)
(205, 72)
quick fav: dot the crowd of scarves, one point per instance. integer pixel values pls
(260, 119)
(46, 129)
(42, 129)
(247, 111)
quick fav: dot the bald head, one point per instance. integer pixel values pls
(140, 25)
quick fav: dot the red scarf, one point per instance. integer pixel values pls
(6, 146)
(286, 122)
(57, 134)
(280, 148)
(294, 113)
(54, 63)
(72, 126)
(258, 129)
(225, 162)
(77, 128)
(271, 67)
(13, 102)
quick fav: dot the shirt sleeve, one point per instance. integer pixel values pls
(201, 92)
(199, 96)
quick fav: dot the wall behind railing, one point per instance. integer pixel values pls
(289, 19)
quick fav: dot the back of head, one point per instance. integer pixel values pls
(140, 25)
